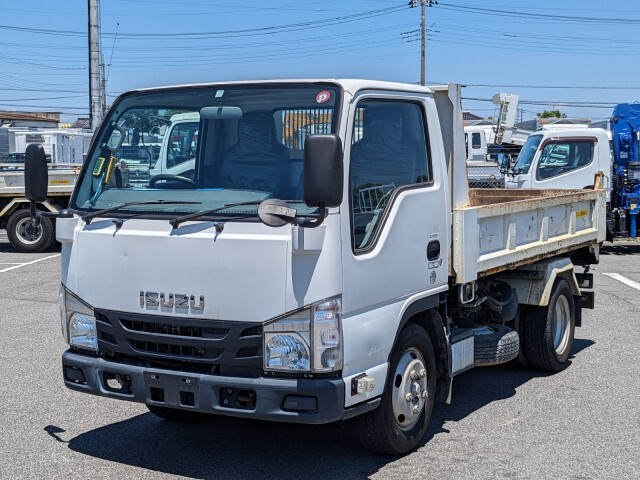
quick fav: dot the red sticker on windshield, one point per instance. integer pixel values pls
(323, 96)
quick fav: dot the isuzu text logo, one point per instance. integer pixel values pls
(177, 301)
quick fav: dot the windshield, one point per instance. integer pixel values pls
(526, 154)
(205, 147)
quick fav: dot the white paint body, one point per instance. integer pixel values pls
(252, 272)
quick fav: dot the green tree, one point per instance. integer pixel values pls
(552, 114)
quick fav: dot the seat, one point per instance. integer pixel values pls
(258, 160)
(385, 155)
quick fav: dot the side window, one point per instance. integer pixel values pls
(558, 158)
(182, 143)
(389, 152)
(475, 140)
(294, 126)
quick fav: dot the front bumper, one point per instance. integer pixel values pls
(310, 401)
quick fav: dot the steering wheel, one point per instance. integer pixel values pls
(166, 176)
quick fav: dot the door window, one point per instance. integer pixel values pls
(182, 143)
(475, 140)
(389, 153)
(561, 157)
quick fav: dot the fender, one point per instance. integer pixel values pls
(533, 283)
(424, 312)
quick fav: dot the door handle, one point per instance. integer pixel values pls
(433, 250)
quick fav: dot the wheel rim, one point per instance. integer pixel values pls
(409, 393)
(23, 226)
(561, 321)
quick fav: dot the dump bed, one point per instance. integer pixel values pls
(62, 179)
(500, 229)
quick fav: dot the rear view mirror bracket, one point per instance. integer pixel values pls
(277, 213)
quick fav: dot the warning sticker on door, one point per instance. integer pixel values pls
(581, 213)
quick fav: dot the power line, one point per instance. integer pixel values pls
(36, 99)
(543, 16)
(559, 87)
(553, 103)
(226, 33)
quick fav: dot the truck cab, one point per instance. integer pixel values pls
(178, 148)
(561, 158)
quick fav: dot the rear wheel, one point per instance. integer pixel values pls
(399, 423)
(26, 237)
(548, 331)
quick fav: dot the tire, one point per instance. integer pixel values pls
(174, 414)
(25, 238)
(548, 331)
(521, 360)
(501, 346)
(400, 421)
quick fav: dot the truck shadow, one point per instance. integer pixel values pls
(221, 447)
(5, 246)
(620, 248)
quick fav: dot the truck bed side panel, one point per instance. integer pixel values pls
(490, 238)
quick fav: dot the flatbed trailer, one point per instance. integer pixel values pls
(14, 205)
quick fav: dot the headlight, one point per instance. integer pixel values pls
(306, 341)
(78, 321)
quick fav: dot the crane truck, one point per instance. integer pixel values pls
(352, 277)
(569, 158)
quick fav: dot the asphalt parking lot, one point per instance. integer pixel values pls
(581, 423)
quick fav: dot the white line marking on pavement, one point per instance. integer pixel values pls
(29, 263)
(623, 279)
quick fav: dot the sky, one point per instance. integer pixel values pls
(577, 56)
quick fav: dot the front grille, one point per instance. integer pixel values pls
(183, 344)
(174, 329)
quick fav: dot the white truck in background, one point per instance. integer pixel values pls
(64, 152)
(178, 147)
(212, 295)
(558, 158)
(15, 217)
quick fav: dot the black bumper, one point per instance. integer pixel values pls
(312, 401)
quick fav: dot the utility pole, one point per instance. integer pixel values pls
(423, 41)
(423, 33)
(96, 98)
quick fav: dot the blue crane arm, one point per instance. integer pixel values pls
(625, 125)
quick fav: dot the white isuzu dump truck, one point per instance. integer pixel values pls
(352, 276)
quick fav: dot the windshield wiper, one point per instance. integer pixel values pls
(175, 222)
(90, 216)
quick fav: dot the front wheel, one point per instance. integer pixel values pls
(548, 331)
(399, 423)
(26, 237)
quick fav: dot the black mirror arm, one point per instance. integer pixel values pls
(306, 223)
(36, 215)
(35, 218)
(49, 214)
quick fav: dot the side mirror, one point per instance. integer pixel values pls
(323, 171)
(36, 175)
(135, 137)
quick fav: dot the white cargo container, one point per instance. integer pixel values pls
(65, 146)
